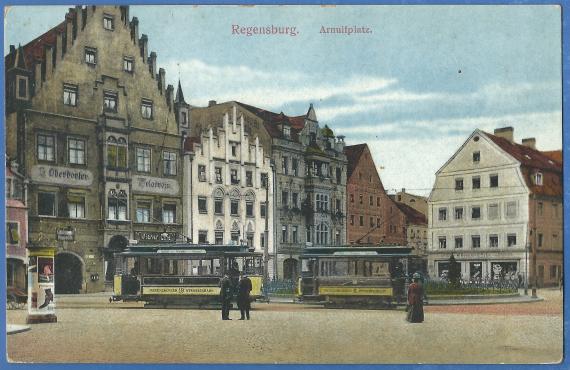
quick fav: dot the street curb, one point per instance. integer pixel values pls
(14, 329)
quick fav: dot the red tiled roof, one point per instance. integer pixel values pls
(412, 215)
(353, 153)
(555, 155)
(271, 121)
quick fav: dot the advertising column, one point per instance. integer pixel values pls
(41, 292)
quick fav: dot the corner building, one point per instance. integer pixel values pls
(91, 122)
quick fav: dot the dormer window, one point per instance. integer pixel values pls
(287, 132)
(108, 22)
(91, 56)
(538, 179)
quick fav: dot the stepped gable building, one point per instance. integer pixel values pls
(497, 206)
(228, 190)
(309, 172)
(373, 218)
(92, 123)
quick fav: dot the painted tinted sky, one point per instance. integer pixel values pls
(414, 89)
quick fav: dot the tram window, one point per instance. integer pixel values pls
(170, 267)
(152, 266)
(380, 269)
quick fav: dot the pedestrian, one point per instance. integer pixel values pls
(243, 301)
(226, 296)
(415, 306)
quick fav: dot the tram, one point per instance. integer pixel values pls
(346, 276)
(182, 274)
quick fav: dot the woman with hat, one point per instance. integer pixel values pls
(415, 300)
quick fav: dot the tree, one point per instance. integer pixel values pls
(454, 271)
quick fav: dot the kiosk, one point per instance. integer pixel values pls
(41, 292)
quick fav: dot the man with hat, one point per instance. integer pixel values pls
(226, 296)
(243, 300)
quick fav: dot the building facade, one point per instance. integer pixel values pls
(228, 190)
(416, 230)
(373, 218)
(93, 125)
(417, 202)
(497, 206)
(16, 227)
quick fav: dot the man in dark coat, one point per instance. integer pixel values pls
(415, 300)
(226, 296)
(243, 300)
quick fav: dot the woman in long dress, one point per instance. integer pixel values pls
(415, 300)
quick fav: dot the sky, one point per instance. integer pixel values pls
(413, 88)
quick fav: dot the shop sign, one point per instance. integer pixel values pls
(153, 236)
(61, 175)
(65, 235)
(155, 185)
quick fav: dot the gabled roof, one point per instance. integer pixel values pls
(525, 155)
(412, 215)
(555, 155)
(353, 153)
(272, 120)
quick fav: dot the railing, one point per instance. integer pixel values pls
(478, 286)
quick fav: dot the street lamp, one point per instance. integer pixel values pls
(526, 249)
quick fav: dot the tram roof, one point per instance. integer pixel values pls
(357, 251)
(187, 249)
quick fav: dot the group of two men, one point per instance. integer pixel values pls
(243, 299)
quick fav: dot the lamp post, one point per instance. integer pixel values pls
(526, 248)
(266, 232)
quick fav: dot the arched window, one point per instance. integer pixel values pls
(218, 201)
(116, 152)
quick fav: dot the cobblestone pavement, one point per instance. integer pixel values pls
(290, 333)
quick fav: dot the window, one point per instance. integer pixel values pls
(143, 159)
(284, 198)
(493, 241)
(110, 101)
(377, 201)
(322, 202)
(295, 200)
(219, 237)
(75, 151)
(295, 234)
(46, 147)
(361, 221)
(459, 213)
(493, 211)
(475, 241)
(476, 182)
(540, 208)
(70, 95)
(262, 209)
(219, 206)
(338, 175)
(511, 240)
(12, 233)
(234, 207)
(46, 204)
(169, 213)
(202, 237)
(494, 181)
(90, 56)
(540, 240)
(284, 234)
(116, 152)
(146, 109)
(371, 222)
(475, 213)
(201, 173)
(108, 23)
(458, 242)
(352, 219)
(442, 242)
(309, 234)
(371, 200)
(476, 157)
(458, 184)
(553, 271)
(295, 165)
(183, 118)
(377, 221)
(202, 205)
(128, 63)
(360, 198)
(338, 206)
(249, 209)
(248, 178)
(169, 161)
(234, 150)
(442, 214)
(143, 212)
(351, 198)
(511, 211)
(538, 179)
(234, 177)
(285, 165)
(554, 210)
(22, 87)
(76, 206)
(287, 132)
(322, 234)
(117, 209)
(218, 172)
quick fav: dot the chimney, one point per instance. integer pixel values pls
(152, 64)
(161, 80)
(135, 29)
(59, 46)
(38, 74)
(505, 133)
(529, 142)
(211, 103)
(170, 96)
(403, 190)
(125, 14)
(90, 10)
(143, 45)
(69, 35)
(79, 15)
